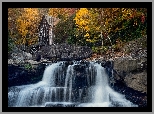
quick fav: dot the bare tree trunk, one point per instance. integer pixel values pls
(110, 40)
(102, 38)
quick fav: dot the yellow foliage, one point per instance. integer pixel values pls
(56, 12)
(87, 35)
(88, 40)
(13, 15)
(126, 12)
(87, 21)
(27, 23)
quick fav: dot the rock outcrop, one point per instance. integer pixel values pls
(63, 52)
(137, 81)
(133, 72)
(17, 56)
(24, 74)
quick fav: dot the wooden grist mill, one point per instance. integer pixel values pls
(46, 30)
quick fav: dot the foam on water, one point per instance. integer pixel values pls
(57, 87)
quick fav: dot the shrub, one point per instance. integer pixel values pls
(28, 66)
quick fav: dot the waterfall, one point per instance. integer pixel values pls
(100, 94)
(76, 85)
(49, 74)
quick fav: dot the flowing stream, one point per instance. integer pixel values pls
(75, 85)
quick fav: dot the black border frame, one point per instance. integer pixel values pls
(6, 5)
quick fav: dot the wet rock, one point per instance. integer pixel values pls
(24, 74)
(108, 64)
(103, 63)
(80, 68)
(132, 95)
(60, 104)
(67, 63)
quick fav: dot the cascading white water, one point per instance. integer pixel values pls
(103, 94)
(100, 94)
(68, 82)
(67, 86)
(48, 76)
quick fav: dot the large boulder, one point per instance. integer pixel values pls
(137, 81)
(132, 72)
(129, 64)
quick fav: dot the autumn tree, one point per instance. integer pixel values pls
(87, 22)
(27, 25)
(65, 31)
(13, 15)
(123, 23)
(61, 13)
(130, 24)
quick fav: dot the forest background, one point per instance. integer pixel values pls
(98, 28)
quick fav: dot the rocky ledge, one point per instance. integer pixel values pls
(62, 52)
